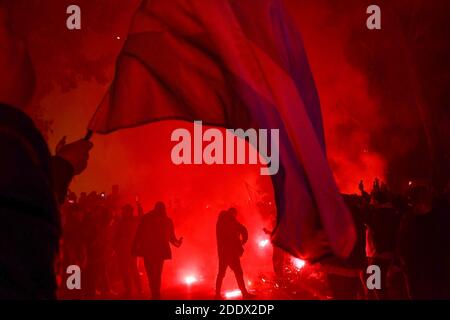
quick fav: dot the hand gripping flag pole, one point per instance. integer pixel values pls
(88, 135)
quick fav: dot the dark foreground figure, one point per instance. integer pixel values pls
(32, 182)
(32, 185)
(153, 238)
(231, 236)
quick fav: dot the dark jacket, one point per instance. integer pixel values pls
(383, 224)
(153, 237)
(32, 183)
(231, 235)
(125, 234)
(423, 246)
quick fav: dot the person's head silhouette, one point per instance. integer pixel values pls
(233, 212)
(127, 211)
(160, 208)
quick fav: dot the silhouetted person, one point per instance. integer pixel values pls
(344, 275)
(153, 238)
(32, 182)
(231, 236)
(383, 222)
(125, 233)
(114, 201)
(96, 229)
(279, 257)
(424, 246)
(72, 222)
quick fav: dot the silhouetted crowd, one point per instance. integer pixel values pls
(98, 232)
(403, 239)
(405, 236)
(402, 250)
(104, 237)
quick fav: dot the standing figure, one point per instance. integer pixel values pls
(152, 242)
(423, 245)
(124, 236)
(231, 236)
(382, 220)
(96, 225)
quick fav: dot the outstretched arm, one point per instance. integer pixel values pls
(172, 238)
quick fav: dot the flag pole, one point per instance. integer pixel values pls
(88, 135)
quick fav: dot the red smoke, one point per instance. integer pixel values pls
(371, 118)
(350, 113)
(372, 124)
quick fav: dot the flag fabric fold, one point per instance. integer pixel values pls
(236, 64)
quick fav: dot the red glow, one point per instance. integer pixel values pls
(233, 294)
(263, 243)
(191, 279)
(298, 263)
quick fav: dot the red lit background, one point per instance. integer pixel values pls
(383, 95)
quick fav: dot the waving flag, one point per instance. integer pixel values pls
(236, 64)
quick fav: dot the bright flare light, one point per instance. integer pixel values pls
(298, 263)
(263, 243)
(233, 294)
(190, 280)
